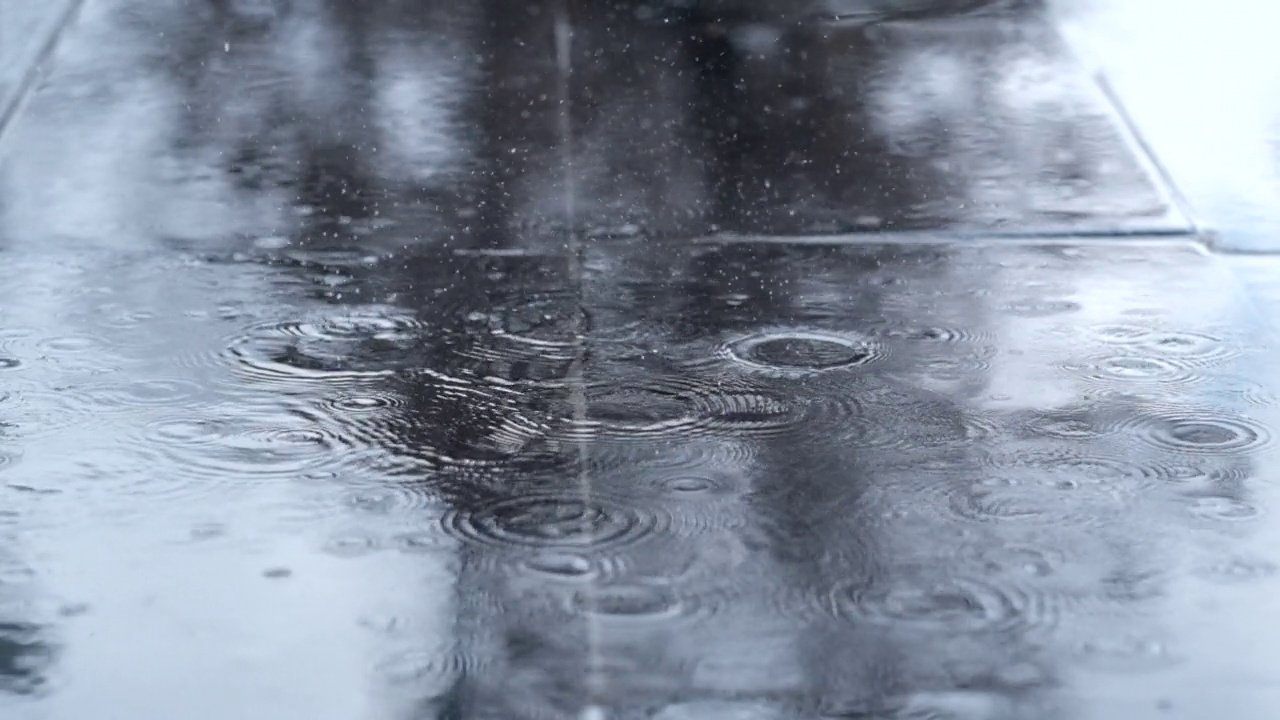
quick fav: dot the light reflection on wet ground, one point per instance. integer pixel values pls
(360, 363)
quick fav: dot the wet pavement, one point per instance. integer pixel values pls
(538, 360)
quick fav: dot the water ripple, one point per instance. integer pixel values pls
(1189, 431)
(559, 521)
(418, 666)
(238, 447)
(363, 342)
(1124, 370)
(634, 603)
(797, 353)
(956, 605)
(671, 407)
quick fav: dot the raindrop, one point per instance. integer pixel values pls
(8, 363)
(277, 573)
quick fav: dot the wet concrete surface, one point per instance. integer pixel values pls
(525, 360)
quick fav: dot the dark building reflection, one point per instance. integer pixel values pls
(735, 532)
(28, 650)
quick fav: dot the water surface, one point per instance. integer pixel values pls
(418, 362)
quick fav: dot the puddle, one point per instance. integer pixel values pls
(324, 392)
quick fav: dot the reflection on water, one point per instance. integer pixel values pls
(26, 648)
(342, 377)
